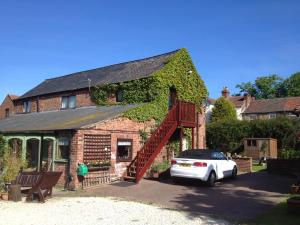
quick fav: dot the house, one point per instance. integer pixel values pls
(240, 103)
(7, 107)
(260, 147)
(116, 119)
(272, 108)
(249, 108)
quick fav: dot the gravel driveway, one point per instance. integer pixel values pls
(94, 210)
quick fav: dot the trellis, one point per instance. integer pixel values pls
(96, 148)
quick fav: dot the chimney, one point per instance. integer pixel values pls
(225, 92)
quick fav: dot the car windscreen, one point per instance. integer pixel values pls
(195, 154)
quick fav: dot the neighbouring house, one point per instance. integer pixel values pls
(260, 147)
(7, 107)
(272, 108)
(248, 108)
(240, 103)
(116, 119)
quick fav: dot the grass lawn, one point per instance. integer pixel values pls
(257, 168)
(277, 216)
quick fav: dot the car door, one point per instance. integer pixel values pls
(226, 165)
(219, 164)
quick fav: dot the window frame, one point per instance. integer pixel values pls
(272, 115)
(129, 159)
(7, 112)
(253, 117)
(26, 106)
(67, 97)
(58, 149)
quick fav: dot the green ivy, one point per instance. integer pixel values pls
(153, 91)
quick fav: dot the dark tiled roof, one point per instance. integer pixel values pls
(61, 120)
(105, 75)
(289, 104)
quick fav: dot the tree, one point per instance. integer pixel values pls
(263, 87)
(291, 85)
(223, 110)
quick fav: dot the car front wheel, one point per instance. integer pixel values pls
(211, 179)
(234, 172)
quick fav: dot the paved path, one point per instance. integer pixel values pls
(245, 197)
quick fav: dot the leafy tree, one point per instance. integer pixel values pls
(291, 86)
(263, 87)
(223, 110)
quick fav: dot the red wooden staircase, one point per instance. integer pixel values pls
(181, 114)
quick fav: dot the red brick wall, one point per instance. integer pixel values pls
(119, 128)
(6, 104)
(244, 164)
(199, 132)
(53, 102)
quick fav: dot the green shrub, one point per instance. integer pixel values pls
(228, 135)
(223, 110)
(289, 154)
(12, 164)
(160, 167)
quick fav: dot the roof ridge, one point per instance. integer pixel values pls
(131, 61)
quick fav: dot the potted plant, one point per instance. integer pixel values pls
(99, 165)
(158, 168)
(155, 171)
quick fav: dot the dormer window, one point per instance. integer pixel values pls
(68, 102)
(26, 106)
(119, 95)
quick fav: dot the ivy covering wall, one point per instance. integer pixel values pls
(153, 92)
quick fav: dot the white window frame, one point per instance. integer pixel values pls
(67, 106)
(26, 106)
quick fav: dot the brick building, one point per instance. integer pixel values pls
(57, 124)
(249, 108)
(7, 108)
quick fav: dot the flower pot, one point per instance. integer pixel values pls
(98, 168)
(155, 175)
(295, 189)
(4, 196)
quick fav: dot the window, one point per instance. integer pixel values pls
(251, 142)
(291, 115)
(119, 95)
(26, 106)
(68, 102)
(63, 149)
(6, 112)
(252, 117)
(272, 116)
(124, 150)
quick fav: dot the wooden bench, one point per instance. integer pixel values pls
(40, 183)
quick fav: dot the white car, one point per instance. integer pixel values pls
(205, 165)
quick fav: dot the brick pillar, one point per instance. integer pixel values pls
(199, 131)
(76, 156)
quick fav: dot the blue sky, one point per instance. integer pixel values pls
(230, 41)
